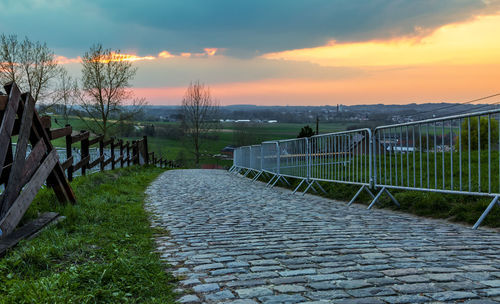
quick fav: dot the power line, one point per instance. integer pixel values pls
(456, 105)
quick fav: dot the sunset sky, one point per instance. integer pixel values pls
(286, 52)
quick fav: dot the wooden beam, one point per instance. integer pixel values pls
(67, 163)
(14, 183)
(82, 163)
(46, 122)
(95, 162)
(23, 201)
(61, 132)
(79, 137)
(26, 231)
(3, 102)
(94, 141)
(8, 120)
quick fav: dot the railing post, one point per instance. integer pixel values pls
(372, 158)
(278, 153)
(112, 153)
(69, 154)
(101, 153)
(84, 145)
(308, 159)
(146, 152)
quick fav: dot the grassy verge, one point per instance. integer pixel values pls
(457, 208)
(101, 252)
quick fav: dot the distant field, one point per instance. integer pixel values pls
(173, 149)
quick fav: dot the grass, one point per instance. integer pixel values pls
(101, 253)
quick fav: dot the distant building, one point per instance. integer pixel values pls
(272, 121)
(228, 150)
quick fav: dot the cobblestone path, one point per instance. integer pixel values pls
(235, 241)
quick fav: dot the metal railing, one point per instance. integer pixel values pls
(455, 155)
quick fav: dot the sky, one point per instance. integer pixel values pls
(281, 52)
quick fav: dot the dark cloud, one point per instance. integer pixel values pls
(244, 28)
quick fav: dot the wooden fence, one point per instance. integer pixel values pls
(22, 174)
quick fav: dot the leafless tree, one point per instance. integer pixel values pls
(66, 94)
(199, 111)
(105, 89)
(32, 65)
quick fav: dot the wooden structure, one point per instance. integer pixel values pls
(23, 175)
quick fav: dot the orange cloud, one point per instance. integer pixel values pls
(165, 54)
(210, 51)
(66, 60)
(473, 42)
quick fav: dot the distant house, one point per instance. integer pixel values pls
(228, 150)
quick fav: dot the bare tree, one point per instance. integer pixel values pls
(199, 111)
(106, 90)
(32, 65)
(65, 94)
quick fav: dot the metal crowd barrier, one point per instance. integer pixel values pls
(455, 154)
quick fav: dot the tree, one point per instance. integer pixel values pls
(306, 131)
(483, 128)
(65, 94)
(32, 65)
(199, 111)
(105, 90)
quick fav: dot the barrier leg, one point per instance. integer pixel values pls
(279, 177)
(298, 186)
(308, 187)
(269, 182)
(246, 173)
(286, 181)
(231, 169)
(374, 201)
(394, 200)
(356, 195)
(485, 213)
(369, 192)
(320, 187)
(257, 176)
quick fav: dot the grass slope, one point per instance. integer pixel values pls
(101, 253)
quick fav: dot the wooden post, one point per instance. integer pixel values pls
(146, 151)
(112, 153)
(84, 145)
(128, 153)
(122, 161)
(101, 153)
(134, 152)
(69, 154)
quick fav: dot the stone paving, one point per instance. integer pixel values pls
(234, 241)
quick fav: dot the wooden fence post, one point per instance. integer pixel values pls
(134, 153)
(112, 153)
(84, 151)
(128, 153)
(69, 154)
(122, 161)
(146, 151)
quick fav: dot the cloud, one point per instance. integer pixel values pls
(243, 28)
(465, 43)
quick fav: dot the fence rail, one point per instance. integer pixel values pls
(455, 154)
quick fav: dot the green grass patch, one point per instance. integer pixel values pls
(457, 208)
(101, 253)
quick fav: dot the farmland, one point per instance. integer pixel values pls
(226, 134)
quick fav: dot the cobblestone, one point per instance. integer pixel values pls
(235, 241)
